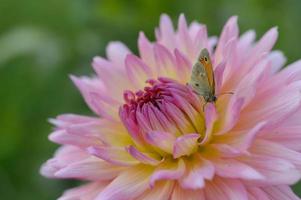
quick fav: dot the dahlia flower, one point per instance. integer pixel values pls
(153, 138)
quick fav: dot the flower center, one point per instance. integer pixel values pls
(163, 106)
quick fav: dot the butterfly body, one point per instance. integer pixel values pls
(202, 77)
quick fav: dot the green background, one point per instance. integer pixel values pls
(41, 42)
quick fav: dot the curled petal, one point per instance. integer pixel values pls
(185, 145)
(162, 140)
(197, 171)
(169, 171)
(145, 158)
(211, 117)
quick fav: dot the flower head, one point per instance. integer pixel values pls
(153, 137)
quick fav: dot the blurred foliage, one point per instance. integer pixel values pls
(41, 42)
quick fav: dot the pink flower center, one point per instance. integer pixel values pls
(165, 106)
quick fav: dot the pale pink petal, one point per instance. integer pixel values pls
(63, 137)
(278, 60)
(162, 190)
(219, 73)
(63, 156)
(116, 53)
(168, 171)
(165, 61)
(146, 50)
(146, 158)
(185, 145)
(242, 140)
(179, 194)
(85, 192)
(282, 192)
(91, 168)
(162, 140)
(137, 71)
(109, 75)
(255, 193)
(210, 117)
(229, 32)
(183, 66)
(198, 169)
(114, 155)
(225, 189)
(260, 50)
(275, 170)
(231, 168)
(272, 149)
(165, 34)
(128, 185)
(274, 108)
(184, 39)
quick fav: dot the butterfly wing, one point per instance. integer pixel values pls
(206, 62)
(199, 80)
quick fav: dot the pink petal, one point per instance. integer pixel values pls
(128, 185)
(230, 31)
(200, 41)
(166, 32)
(274, 108)
(85, 192)
(275, 170)
(137, 71)
(185, 145)
(114, 155)
(161, 190)
(89, 169)
(162, 140)
(178, 117)
(63, 137)
(145, 158)
(268, 148)
(255, 193)
(210, 117)
(183, 66)
(278, 60)
(231, 168)
(63, 157)
(146, 50)
(241, 141)
(109, 75)
(232, 115)
(179, 194)
(165, 61)
(184, 37)
(219, 72)
(97, 101)
(282, 192)
(116, 52)
(169, 171)
(263, 46)
(197, 171)
(225, 189)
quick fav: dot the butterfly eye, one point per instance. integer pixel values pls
(196, 84)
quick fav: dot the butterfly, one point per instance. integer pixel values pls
(202, 77)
